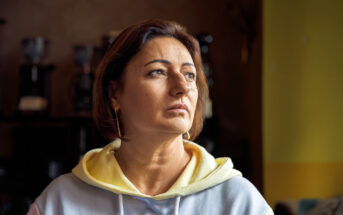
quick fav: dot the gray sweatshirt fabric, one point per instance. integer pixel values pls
(69, 195)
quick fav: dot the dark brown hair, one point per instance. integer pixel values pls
(128, 43)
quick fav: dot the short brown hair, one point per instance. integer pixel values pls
(128, 43)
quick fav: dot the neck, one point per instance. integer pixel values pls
(152, 164)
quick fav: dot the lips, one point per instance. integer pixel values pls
(181, 107)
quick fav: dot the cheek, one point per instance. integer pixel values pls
(194, 97)
(140, 99)
(135, 100)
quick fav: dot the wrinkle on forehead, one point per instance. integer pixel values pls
(166, 48)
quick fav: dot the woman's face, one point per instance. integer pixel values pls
(159, 92)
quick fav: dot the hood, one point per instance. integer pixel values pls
(99, 168)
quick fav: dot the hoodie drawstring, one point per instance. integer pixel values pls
(177, 205)
(120, 203)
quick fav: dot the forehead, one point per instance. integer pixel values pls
(167, 48)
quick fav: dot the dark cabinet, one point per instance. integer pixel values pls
(40, 149)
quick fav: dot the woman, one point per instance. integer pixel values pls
(149, 93)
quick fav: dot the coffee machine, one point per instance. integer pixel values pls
(34, 78)
(83, 81)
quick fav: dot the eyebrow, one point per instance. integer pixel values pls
(166, 62)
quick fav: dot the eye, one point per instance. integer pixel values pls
(156, 72)
(190, 76)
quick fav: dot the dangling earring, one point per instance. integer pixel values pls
(117, 119)
(187, 135)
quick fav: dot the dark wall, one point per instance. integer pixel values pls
(236, 92)
(66, 23)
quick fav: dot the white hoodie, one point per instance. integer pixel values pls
(97, 185)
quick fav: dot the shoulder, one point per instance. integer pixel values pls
(68, 193)
(243, 196)
(241, 187)
(59, 189)
(237, 195)
(62, 185)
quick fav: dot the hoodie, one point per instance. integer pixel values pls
(97, 185)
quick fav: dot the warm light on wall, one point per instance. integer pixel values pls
(302, 105)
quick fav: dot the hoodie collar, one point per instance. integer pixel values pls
(100, 168)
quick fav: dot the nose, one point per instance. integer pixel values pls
(179, 85)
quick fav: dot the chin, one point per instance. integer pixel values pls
(174, 126)
(178, 129)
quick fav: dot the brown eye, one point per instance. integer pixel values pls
(190, 76)
(156, 72)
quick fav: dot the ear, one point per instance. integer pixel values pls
(114, 95)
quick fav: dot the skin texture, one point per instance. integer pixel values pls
(157, 102)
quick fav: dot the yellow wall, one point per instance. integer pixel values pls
(302, 98)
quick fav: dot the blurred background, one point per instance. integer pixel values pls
(274, 69)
